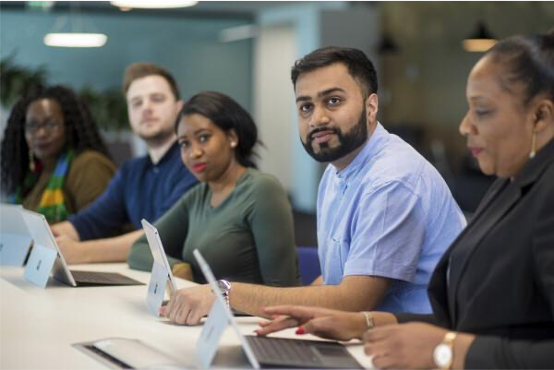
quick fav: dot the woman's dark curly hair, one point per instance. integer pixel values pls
(80, 128)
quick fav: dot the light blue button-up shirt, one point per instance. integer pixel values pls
(389, 213)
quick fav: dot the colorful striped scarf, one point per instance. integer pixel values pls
(52, 204)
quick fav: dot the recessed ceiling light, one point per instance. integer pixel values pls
(75, 40)
(149, 4)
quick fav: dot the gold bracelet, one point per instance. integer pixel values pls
(369, 321)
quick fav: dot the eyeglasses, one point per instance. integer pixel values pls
(48, 126)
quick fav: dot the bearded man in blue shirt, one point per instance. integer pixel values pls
(384, 214)
(144, 187)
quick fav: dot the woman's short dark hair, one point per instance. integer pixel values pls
(359, 66)
(80, 129)
(228, 115)
(528, 60)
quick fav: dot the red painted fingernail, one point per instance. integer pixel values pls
(300, 330)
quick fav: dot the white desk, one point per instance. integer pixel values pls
(38, 326)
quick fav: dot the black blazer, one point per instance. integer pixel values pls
(497, 279)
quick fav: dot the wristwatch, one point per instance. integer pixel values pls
(444, 354)
(225, 288)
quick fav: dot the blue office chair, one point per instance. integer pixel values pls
(308, 263)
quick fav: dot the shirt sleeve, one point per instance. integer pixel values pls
(272, 228)
(88, 177)
(406, 317)
(492, 352)
(505, 353)
(388, 230)
(105, 215)
(173, 230)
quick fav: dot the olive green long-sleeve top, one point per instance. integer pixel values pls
(249, 237)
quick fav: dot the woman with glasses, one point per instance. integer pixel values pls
(53, 159)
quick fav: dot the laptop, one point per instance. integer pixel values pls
(45, 246)
(161, 275)
(15, 240)
(266, 351)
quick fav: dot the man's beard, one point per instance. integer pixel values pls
(348, 142)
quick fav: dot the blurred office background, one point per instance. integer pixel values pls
(246, 49)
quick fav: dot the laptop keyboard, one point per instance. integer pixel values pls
(283, 351)
(105, 278)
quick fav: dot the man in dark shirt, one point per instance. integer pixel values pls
(144, 187)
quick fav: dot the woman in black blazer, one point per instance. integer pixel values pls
(492, 293)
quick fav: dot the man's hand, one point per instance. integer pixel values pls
(322, 322)
(72, 251)
(188, 306)
(65, 228)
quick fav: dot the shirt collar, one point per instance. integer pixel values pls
(371, 148)
(168, 155)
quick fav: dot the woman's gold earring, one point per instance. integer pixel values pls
(533, 146)
(233, 144)
(31, 161)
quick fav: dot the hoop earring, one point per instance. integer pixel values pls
(32, 166)
(533, 146)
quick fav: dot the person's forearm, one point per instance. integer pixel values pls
(461, 346)
(317, 281)
(110, 249)
(65, 228)
(251, 298)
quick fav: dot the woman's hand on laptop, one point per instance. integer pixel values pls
(322, 322)
(188, 306)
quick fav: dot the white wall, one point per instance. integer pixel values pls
(274, 52)
(303, 19)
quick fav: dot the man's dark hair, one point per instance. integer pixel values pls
(140, 70)
(80, 127)
(528, 60)
(227, 114)
(358, 64)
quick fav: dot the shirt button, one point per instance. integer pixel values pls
(156, 170)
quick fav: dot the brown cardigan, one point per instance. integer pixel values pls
(87, 178)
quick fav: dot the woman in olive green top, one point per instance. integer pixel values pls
(53, 159)
(239, 218)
